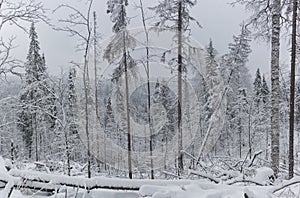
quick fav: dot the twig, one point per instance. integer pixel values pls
(204, 176)
(245, 181)
(286, 185)
(254, 157)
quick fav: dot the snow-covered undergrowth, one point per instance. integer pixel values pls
(257, 183)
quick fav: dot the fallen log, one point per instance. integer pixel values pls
(51, 182)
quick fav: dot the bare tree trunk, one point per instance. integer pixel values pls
(249, 131)
(292, 90)
(179, 79)
(73, 22)
(12, 156)
(267, 143)
(36, 139)
(150, 121)
(240, 136)
(67, 151)
(275, 48)
(85, 83)
(96, 91)
(127, 105)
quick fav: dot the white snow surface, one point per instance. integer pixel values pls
(140, 187)
(263, 174)
(204, 190)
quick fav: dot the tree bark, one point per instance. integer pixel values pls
(179, 79)
(96, 91)
(275, 48)
(85, 83)
(292, 90)
(150, 121)
(127, 105)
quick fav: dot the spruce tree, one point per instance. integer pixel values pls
(37, 115)
(257, 88)
(265, 92)
(72, 116)
(212, 78)
(237, 78)
(71, 105)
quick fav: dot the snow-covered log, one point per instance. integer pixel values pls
(51, 182)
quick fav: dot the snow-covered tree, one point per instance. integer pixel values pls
(16, 14)
(265, 91)
(175, 15)
(234, 62)
(78, 24)
(237, 79)
(260, 124)
(257, 88)
(212, 78)
(266, 21)
(119, 45)
(36, 117)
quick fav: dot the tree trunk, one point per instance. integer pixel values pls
(292, 90)
(275, 48)
(68, 155)
(12, 157)
(96, 91)
(36, 139)
(85, 83)
(249, 131)
(240, 136)
(127, 106)
(150, 121)
(179, 75)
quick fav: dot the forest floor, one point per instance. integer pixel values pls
(17, 183)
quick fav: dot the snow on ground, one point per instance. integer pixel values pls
(204, 190)
(193, 190)
(68, 186)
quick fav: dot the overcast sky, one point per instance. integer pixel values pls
(220, 22)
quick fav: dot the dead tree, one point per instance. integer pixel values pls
(72, 25)
(147, 68)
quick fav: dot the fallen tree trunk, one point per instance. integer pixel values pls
(51, 183)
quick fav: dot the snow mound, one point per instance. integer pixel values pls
(263, 175)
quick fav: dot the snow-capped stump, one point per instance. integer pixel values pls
(264, 175)
(5, 178)
(8, 164)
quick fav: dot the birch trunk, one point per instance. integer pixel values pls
(275, 48)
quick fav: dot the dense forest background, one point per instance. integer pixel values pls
(150, 102)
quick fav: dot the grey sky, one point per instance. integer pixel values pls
(219, 20)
